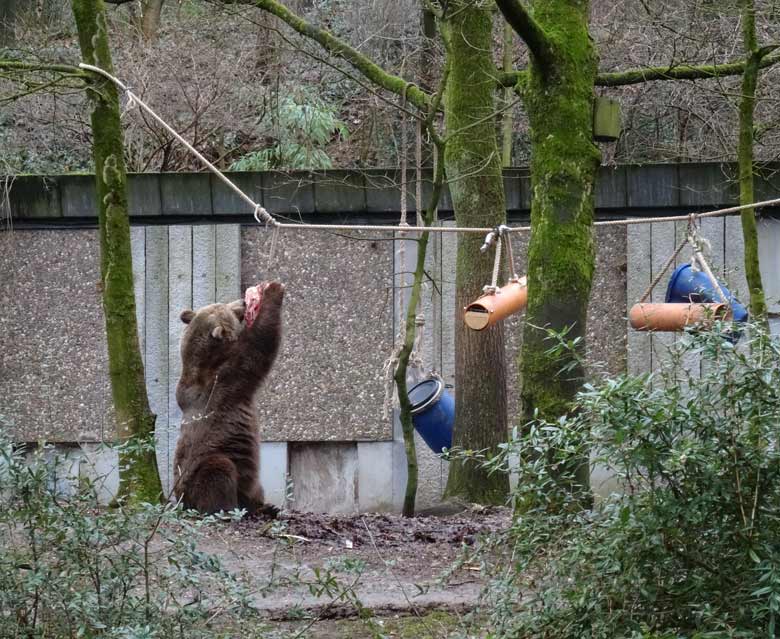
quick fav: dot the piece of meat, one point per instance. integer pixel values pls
(253, 298)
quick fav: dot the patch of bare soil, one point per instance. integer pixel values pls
(401, 560)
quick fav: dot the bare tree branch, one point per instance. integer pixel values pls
(652, 74)
(337, 47)
(15, 65)
(518, 17)
(682, 72)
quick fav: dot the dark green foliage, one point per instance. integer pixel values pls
(690, 547)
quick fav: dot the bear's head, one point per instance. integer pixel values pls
(211, 333)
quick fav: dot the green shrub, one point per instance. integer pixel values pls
(301, 125)
(691, 548)
(69, 568)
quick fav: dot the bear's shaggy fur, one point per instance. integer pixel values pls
(223, 363)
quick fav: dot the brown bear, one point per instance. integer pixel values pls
(224, 361)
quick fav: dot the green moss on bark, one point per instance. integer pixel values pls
(474, 176)
(140, 479)
(747, 105)
(559, 101)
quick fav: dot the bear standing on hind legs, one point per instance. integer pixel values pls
(227, 351)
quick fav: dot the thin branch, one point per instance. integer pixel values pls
(337, 47)
(518, 17)
(682, 72)
(66, 69)
(651, 74)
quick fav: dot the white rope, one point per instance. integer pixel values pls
(263, 217)
(700, 246)
(391, 363)
(496, 267)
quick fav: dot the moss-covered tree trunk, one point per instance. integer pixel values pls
(747, 105)
(559, 100)
(473, 167)
(139, 479)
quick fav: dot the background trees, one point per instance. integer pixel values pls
(368, 57)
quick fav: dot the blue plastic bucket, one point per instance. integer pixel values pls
(687, 285)
(433, 413)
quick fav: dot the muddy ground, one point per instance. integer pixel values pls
(394, 566)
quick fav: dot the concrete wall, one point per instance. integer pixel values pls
(326, 445)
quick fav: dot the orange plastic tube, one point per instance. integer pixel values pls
(493, 307)
(675, 317)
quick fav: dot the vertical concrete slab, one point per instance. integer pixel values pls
(99, 465)
(324, 477)
(138, 246)
(734, 259)
(429, 464)
(436, 274)
(156, 348)
(691, 362)
(204, 272)
(274, 472)
(769, 258)
(375, 476)
(663, 245)
(638, 278)
(180, 297)
(62, 461)
(713, 230)
(431, 474)
(228, 262)
(449, 250)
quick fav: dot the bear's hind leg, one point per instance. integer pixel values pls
(214, 486)
(251, 497)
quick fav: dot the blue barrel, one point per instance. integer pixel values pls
(687, 285)
(433, 413)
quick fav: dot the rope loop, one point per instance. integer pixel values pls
(264, 217)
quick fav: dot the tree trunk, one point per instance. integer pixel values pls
(473, 167)
(747, 105)
(150, 21)
(8, 11)
(564, 160)
(139, 479)
(506, 119)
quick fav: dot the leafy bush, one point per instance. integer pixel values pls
(71, 569)
(691, 548)
(301, 125)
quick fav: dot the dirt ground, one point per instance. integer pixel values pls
(391, 565)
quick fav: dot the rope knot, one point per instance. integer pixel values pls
(263, 216)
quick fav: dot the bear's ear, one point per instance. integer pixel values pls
(217, 332)
(187, 315)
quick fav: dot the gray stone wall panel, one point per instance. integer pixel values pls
(338, 330)
(53, 364)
